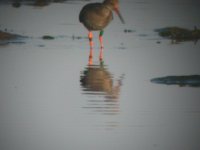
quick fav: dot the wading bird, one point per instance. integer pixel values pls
(95, 17)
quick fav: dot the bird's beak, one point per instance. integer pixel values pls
(119, 14)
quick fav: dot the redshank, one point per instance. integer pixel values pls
(95, 17)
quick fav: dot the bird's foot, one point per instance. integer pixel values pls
(101, 61)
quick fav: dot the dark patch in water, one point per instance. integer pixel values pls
(142, 35)
(158, 42)
(78, 37)
(41, 45)
(128, 31)
(190, 80)
(16, 4)
(48, 37)
(73, 37)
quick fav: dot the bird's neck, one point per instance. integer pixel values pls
(109, 5)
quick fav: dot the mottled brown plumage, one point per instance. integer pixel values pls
(96, 16)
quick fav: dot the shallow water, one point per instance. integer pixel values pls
(50, 98)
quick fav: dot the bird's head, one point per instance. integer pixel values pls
(114, 5)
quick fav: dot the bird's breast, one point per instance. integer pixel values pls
(95, 16)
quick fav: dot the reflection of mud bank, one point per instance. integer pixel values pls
(73, 37)
(38, 3)
(177, 34)
(191, 81)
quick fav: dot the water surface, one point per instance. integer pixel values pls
(50, 98)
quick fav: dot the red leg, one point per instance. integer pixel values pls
(90, 62)
(101, 45)
(90, 37)
(101, 54)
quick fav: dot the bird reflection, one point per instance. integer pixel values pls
(101, 88)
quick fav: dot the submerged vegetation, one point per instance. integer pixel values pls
(178, 34)
(190, 80)
(48, 37)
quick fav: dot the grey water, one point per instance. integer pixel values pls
(51, 99)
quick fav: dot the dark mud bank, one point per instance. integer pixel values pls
(179, 34)
(190, 80)
(6, 38)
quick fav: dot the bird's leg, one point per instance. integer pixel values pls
(101, 45)
(101, 38)
(90, 36)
